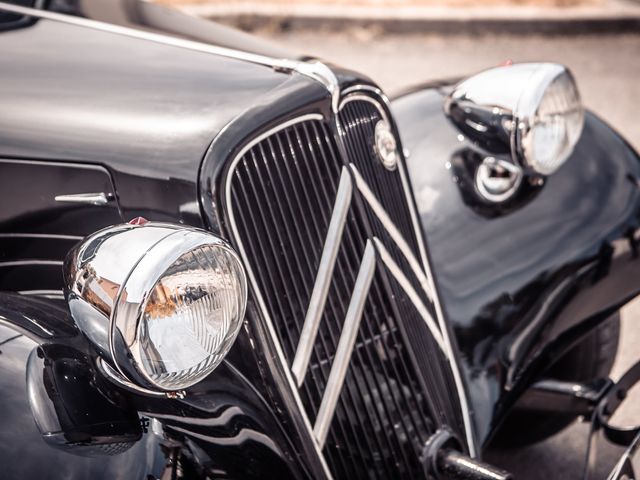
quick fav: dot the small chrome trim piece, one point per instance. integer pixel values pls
(393, 231)
(98, 198)
(404, 282)
(51, 294)
(30, 263)
(315, 70)
(220, 421)
(46, 236)
(345, 344)
(319, 72)
(119, 380)
(404, 178)
(323, 278)
(386, 147)
(243, 436)
(498, 189)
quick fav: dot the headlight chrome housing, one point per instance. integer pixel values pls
(161, 303)
(531, 111)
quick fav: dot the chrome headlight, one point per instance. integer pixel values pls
(531, 111)
(162, 303)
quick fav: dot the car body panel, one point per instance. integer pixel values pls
(146, 110)
(26, 323)
(517, 277)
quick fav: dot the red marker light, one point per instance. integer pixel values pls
(507, 63)
(138, 221)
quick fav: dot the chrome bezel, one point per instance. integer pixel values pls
(497, 108)
(112, 324)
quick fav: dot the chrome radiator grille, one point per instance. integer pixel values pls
(375, 399)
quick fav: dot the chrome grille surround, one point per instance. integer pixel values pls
(332, 394)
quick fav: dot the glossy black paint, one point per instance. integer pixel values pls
(71, 413)
(36, 231)
(147, 111)
(67, 415)
(26, 325)
(522, 281)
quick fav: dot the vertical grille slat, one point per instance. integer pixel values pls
(283, 190)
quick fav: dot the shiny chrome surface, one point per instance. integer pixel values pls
(497, 180)
(386, 146)
(346, 344)
(109, 278)
(498, 108)
(98, 198)
(323, 280)
(404, 282)
(327, 262)
(115, 377)
(393, 231)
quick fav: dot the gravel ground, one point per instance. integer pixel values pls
(607, 69)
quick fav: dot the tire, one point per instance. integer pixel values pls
(580, 365)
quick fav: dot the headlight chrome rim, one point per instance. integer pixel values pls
(119, 317)
(127, 315)
(500, 110)
(527, 115)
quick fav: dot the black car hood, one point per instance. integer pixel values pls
(74, 93)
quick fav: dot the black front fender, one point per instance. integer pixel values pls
(521, 282)
(25, 325)
(61, 418)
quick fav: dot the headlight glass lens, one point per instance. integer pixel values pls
(555, 127)
(191, 317)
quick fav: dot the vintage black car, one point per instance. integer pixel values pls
(223, 260)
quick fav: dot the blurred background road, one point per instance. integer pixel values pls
(607, 68)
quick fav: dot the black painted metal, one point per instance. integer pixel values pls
(522, 282)
(36, 231)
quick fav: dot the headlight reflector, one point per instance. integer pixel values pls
(554, 126)
(191, 317)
